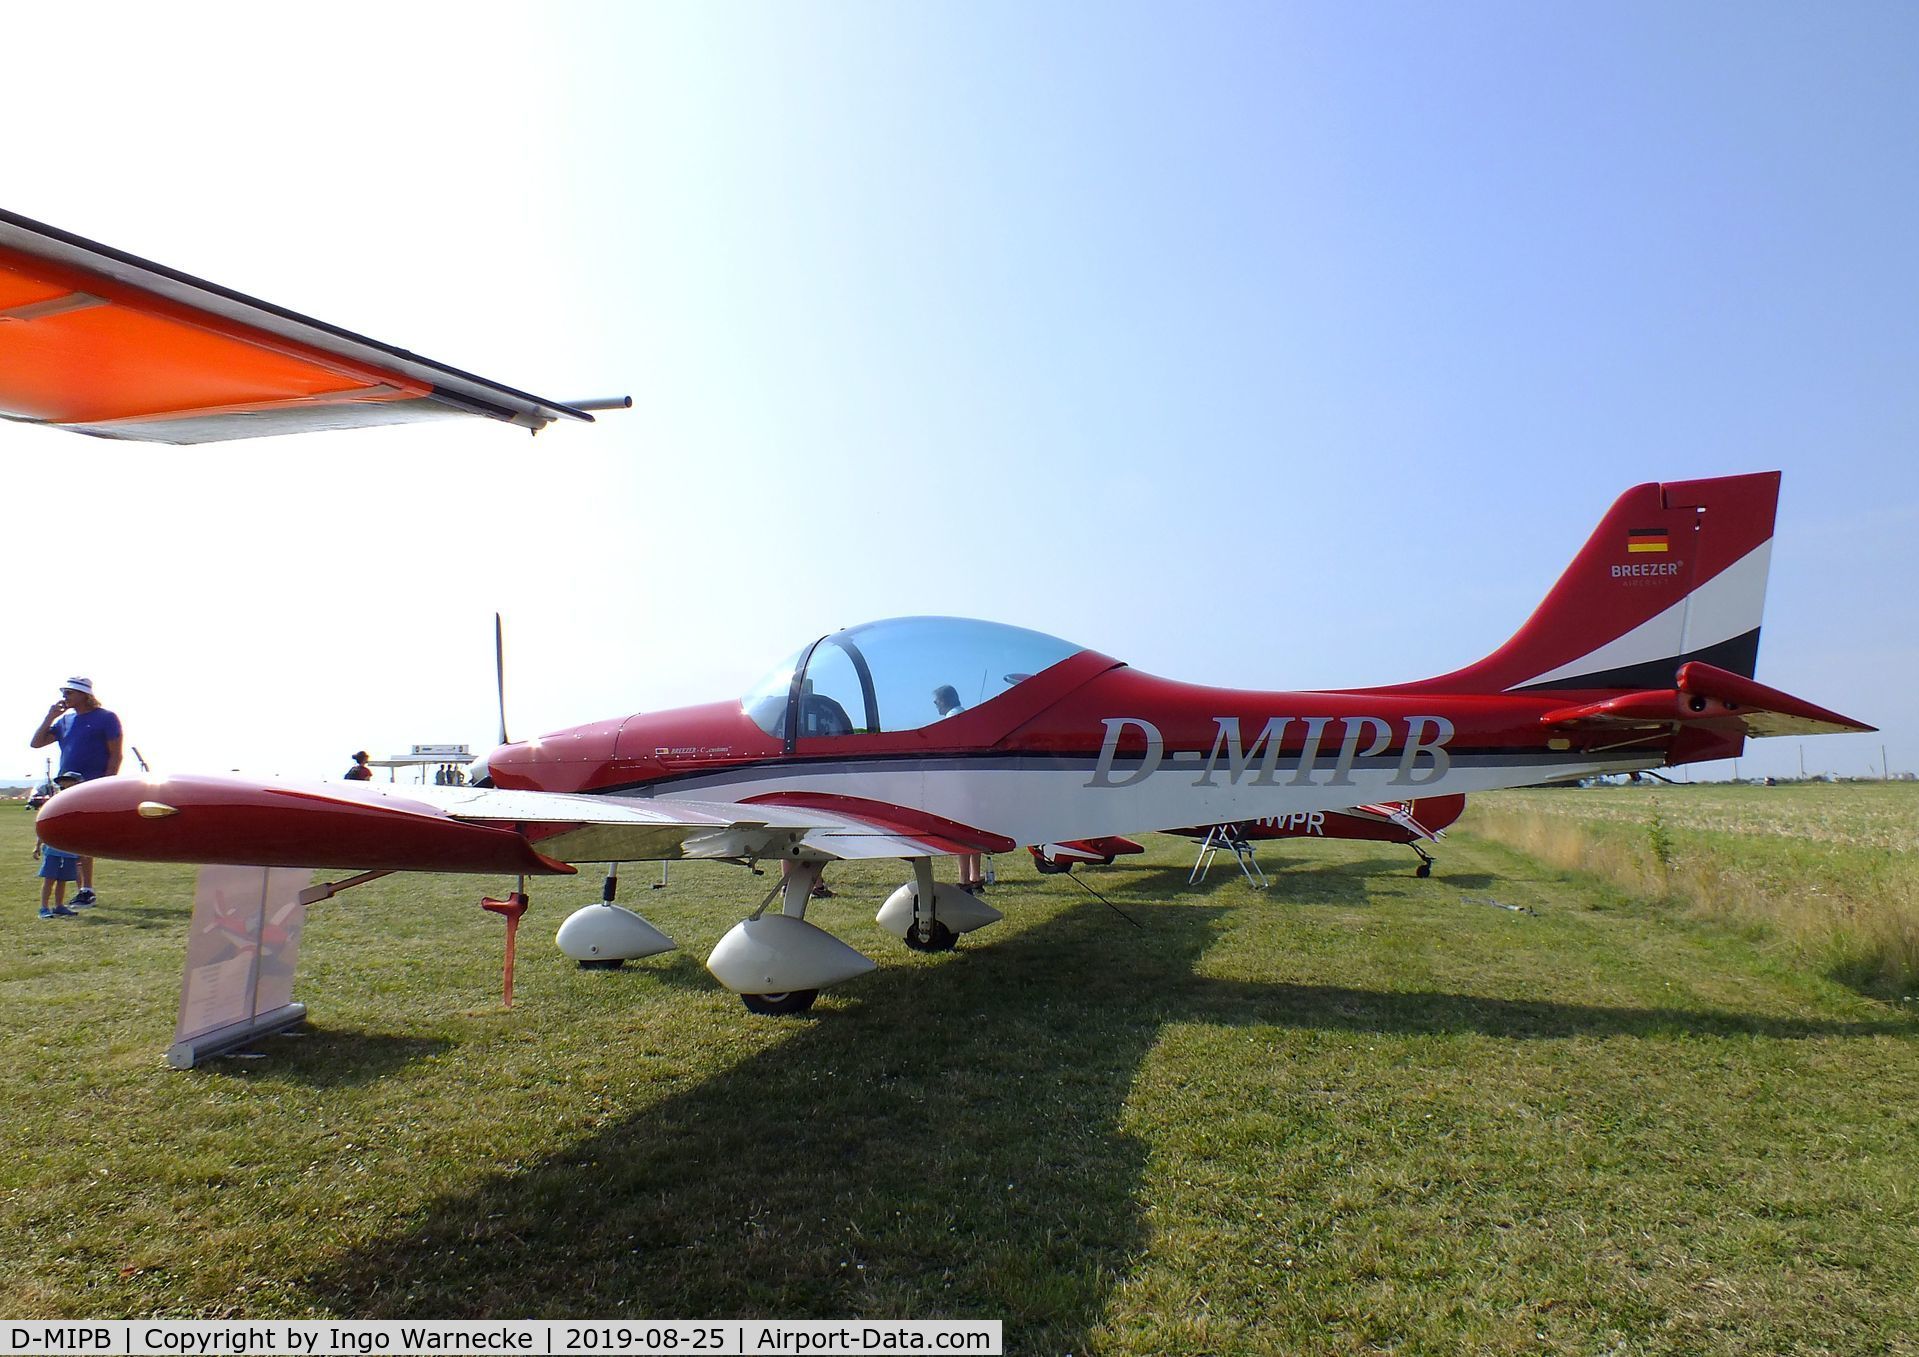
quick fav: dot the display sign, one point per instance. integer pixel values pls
(241, 955)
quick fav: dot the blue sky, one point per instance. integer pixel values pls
(1269, 345)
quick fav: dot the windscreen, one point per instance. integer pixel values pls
(902, 674)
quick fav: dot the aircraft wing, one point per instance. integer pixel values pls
(369, 826)
(101, 342)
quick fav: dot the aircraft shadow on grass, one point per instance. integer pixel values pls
(145, 918)
(320, 1057)
(1313, 883)
(949, 1142)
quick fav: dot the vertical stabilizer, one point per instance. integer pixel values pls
(1675, 572)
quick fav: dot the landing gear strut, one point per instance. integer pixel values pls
(1425, 867)
(928, 917)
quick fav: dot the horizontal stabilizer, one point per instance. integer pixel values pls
(1705, 695)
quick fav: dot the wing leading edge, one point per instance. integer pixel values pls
(365, 826)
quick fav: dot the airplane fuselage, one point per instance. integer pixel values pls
(1093, 747)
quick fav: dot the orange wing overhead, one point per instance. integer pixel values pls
(103, 343)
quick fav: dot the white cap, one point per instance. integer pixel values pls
(78, 685)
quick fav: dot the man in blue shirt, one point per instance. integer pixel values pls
(90, 741)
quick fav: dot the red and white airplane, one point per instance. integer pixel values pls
(916, 738)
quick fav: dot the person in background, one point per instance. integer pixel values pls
(56, 869)
(90, 744)
(359, 772)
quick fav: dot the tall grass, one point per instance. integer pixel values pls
(1829, 872)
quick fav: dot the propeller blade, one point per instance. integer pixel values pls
(499, 672)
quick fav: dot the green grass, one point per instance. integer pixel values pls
(1360, 1112)
(1827, 873)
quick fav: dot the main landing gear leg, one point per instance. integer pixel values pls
(926, 933)
(930, 918)
(1425, 867)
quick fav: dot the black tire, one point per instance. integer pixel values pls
(1045, 868)
(944, 939)
(1425, 869)
(603, 963)
(780, 1005)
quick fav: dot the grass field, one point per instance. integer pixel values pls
(1827, 873)
(1357, 1113)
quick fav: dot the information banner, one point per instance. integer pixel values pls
(243, 946)
(564, 1337)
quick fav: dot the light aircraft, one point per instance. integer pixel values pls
(914, 738)
(841, 752)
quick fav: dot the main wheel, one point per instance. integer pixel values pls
(1046, 868)
(781, 1004)
(1425, 869)
(944, 939)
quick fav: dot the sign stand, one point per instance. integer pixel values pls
(241, 955)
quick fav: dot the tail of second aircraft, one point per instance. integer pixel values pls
(1675, 572)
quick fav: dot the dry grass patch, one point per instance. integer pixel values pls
(1829, 872)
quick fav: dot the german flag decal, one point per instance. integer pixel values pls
(1646, 539)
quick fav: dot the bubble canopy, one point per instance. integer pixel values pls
(901, 674)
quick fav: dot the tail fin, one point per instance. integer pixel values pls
(1675, 572)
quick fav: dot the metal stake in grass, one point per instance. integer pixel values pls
(509, 909)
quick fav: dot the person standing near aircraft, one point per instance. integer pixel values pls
(90, 742)
(359, 772)
(56, 869)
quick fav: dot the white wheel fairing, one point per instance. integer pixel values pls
(776, 953)
(604, 932)
(954, 907)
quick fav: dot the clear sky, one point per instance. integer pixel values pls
(1275, 345)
